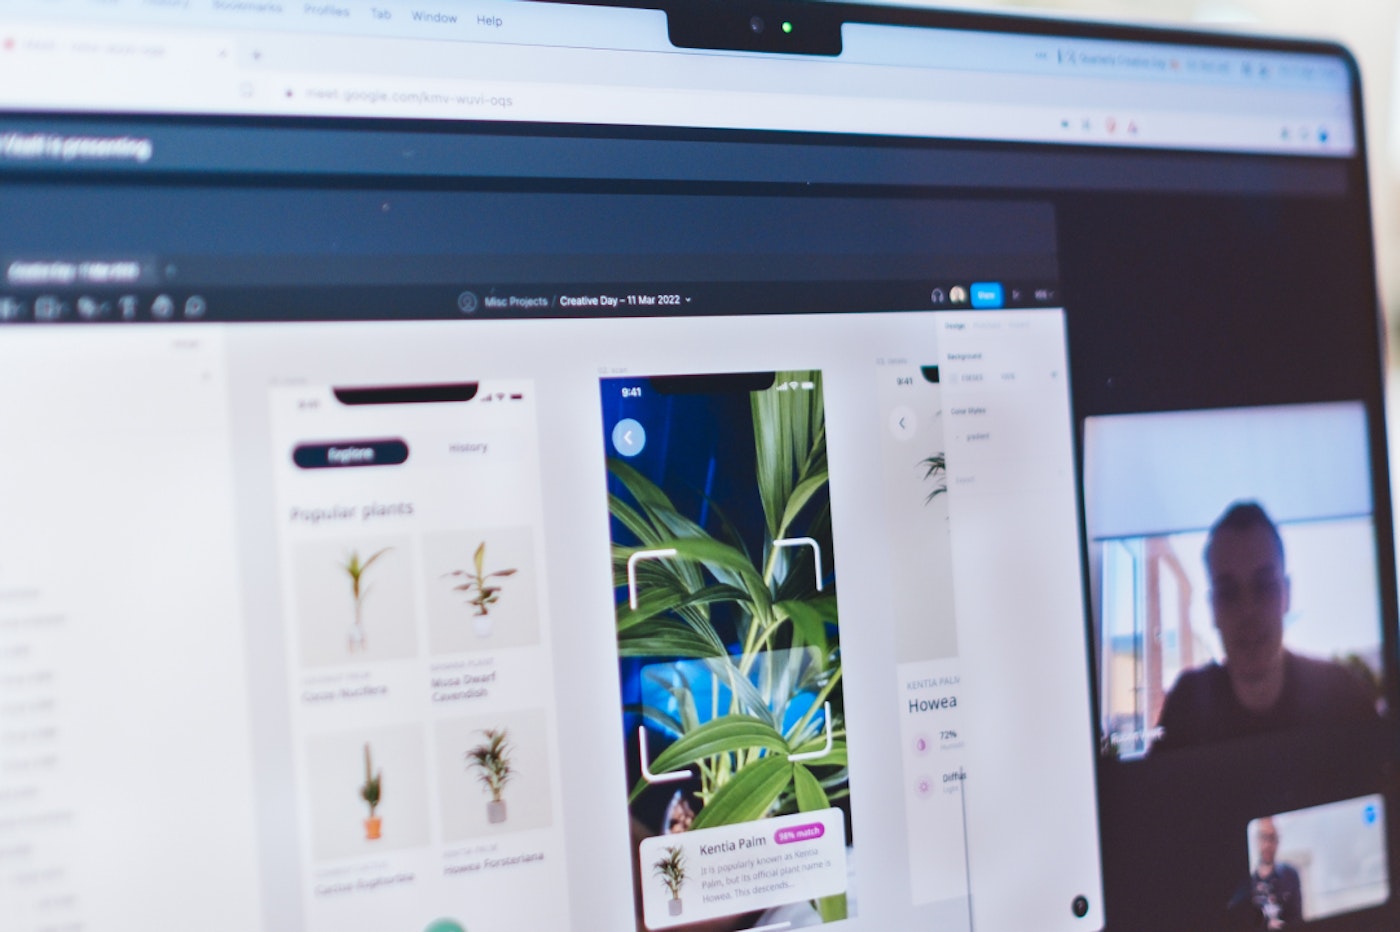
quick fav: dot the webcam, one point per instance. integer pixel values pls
(768, 26)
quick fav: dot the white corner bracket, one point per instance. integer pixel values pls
(638, 557)
(802, 542)
(650, 777)
(812, 755)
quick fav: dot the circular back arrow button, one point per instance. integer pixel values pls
(629, 437)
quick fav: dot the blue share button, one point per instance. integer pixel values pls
(986, 294)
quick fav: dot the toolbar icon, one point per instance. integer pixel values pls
(89, 308)
(163, 307)
(48, 307)
(11, 309)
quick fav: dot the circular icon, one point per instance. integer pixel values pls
(903, 422)
(1080, 906)
(445, 925)
(195, 307)
(629, 437)
(924, 787)
(163, 307)
(466, 302)
(921, 745)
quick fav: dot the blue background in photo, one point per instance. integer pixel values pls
(699, 450)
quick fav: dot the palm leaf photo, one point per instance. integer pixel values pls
(726, 615)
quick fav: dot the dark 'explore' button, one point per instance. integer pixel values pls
(343, 454)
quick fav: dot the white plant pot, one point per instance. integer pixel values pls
(496, 811)
(674, 907)
(484, 625)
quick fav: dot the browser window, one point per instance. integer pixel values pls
(495, 468)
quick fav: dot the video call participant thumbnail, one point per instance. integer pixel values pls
(1275, 887)
(1261, 686)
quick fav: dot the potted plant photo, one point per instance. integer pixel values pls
(356, 569)
(370, 793)
(670, 867)
(480, 593)
(935, 469)
(491, 761)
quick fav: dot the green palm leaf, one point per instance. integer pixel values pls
(748, 697)
(723, 735)
(783, 442)
(798, 499)
(837, 757)
(643, 530)
(807, 622)
(832, 908)
(728, 564)
(659, 717)
(658, 600)
(647, 493)
(810, 795)
(748, 795)
(659, 638)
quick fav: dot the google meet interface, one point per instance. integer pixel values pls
(629, 510)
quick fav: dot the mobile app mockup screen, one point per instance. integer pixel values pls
(418, 641)
(729, 652)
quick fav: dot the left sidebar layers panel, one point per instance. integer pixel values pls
(124, 728)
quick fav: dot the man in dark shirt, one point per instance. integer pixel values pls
(1261, 686)
(1275, 887)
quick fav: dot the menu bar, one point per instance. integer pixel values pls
(503, 301)
(501, 21)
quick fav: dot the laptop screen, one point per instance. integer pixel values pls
(508, 466)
